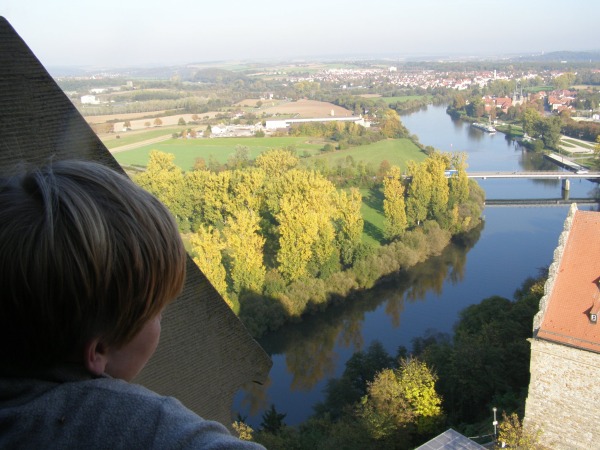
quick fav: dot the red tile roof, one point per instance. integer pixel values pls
(576, 290)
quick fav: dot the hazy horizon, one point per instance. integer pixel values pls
(144, 34)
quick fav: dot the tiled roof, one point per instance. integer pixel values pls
(576, 292)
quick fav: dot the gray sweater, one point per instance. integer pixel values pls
(69, 409)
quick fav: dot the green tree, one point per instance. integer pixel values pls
(240, 158)
(395, 221)
(512, 433)
(245, 248)
(549, 129)
(181, 121)
(402, 402)
(530, 120)
(206, 247)
(272, 421)
(276, 162)
(565, 80)
(459, 182)
(165, 180)
(349, 223)
(436, 164)
(419, 193)
(207, 132)
(418, 387)
(391, 126)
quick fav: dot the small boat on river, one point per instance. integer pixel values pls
(484, 127)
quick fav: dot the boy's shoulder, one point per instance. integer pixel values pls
(101, 413)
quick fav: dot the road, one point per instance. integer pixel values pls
(124, 148)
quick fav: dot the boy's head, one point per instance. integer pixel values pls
(85, 256)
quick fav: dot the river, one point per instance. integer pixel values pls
(514, 243)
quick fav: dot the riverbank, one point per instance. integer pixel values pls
(511, 245)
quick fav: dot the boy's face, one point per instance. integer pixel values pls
(126, 362)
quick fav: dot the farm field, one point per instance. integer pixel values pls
(131, 137)
(187, 150)
(396, 151)
(307, 109)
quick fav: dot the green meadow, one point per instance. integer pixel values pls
(186, 151)
(372, 214)
(405, 98)
(396, 151)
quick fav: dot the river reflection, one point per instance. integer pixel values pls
(312, 349)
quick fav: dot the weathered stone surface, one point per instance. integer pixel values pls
(563, 401)
(205, 354)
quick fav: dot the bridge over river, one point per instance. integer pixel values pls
(562, 175)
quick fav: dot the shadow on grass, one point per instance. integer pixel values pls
(373, 231)
(374, 199)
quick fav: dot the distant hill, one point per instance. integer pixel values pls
(593, 56)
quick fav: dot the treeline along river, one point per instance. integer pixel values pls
(512, 244)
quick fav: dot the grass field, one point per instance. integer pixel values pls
(131, 137)
(405, 98)
(186, 151)
(372, 213)
(396, 151)
(573, 143)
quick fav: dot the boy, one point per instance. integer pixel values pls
(88, 261)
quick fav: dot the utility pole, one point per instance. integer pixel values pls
(495, 423)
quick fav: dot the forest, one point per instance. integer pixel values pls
(279, 240)
(403, 400)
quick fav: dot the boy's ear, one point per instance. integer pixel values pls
(95, 356)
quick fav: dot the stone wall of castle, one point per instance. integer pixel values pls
(563, 402)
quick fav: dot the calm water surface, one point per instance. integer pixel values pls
(513, 244)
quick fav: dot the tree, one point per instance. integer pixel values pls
(272, 421)
(459, 181)
(401, 402)
(565, 80)
(127, 125)
(436, 165)
(419, 193)
(245, 248)
(391, 126)
(165, 181)
(302, 204)
(181, 121)
(384, 410)
(276, 162)
(475, 108)
(395, 221)
(530, 120)
(349, 223)
(157, 122)
(239, 159)
(208, 132)
(549, 129)
(513, 434)
(418, 387)
(207, 246)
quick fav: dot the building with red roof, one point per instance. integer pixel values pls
(564, 396)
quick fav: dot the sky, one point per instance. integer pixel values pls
(124, 33)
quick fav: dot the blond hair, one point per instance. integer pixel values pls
(84, 253)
